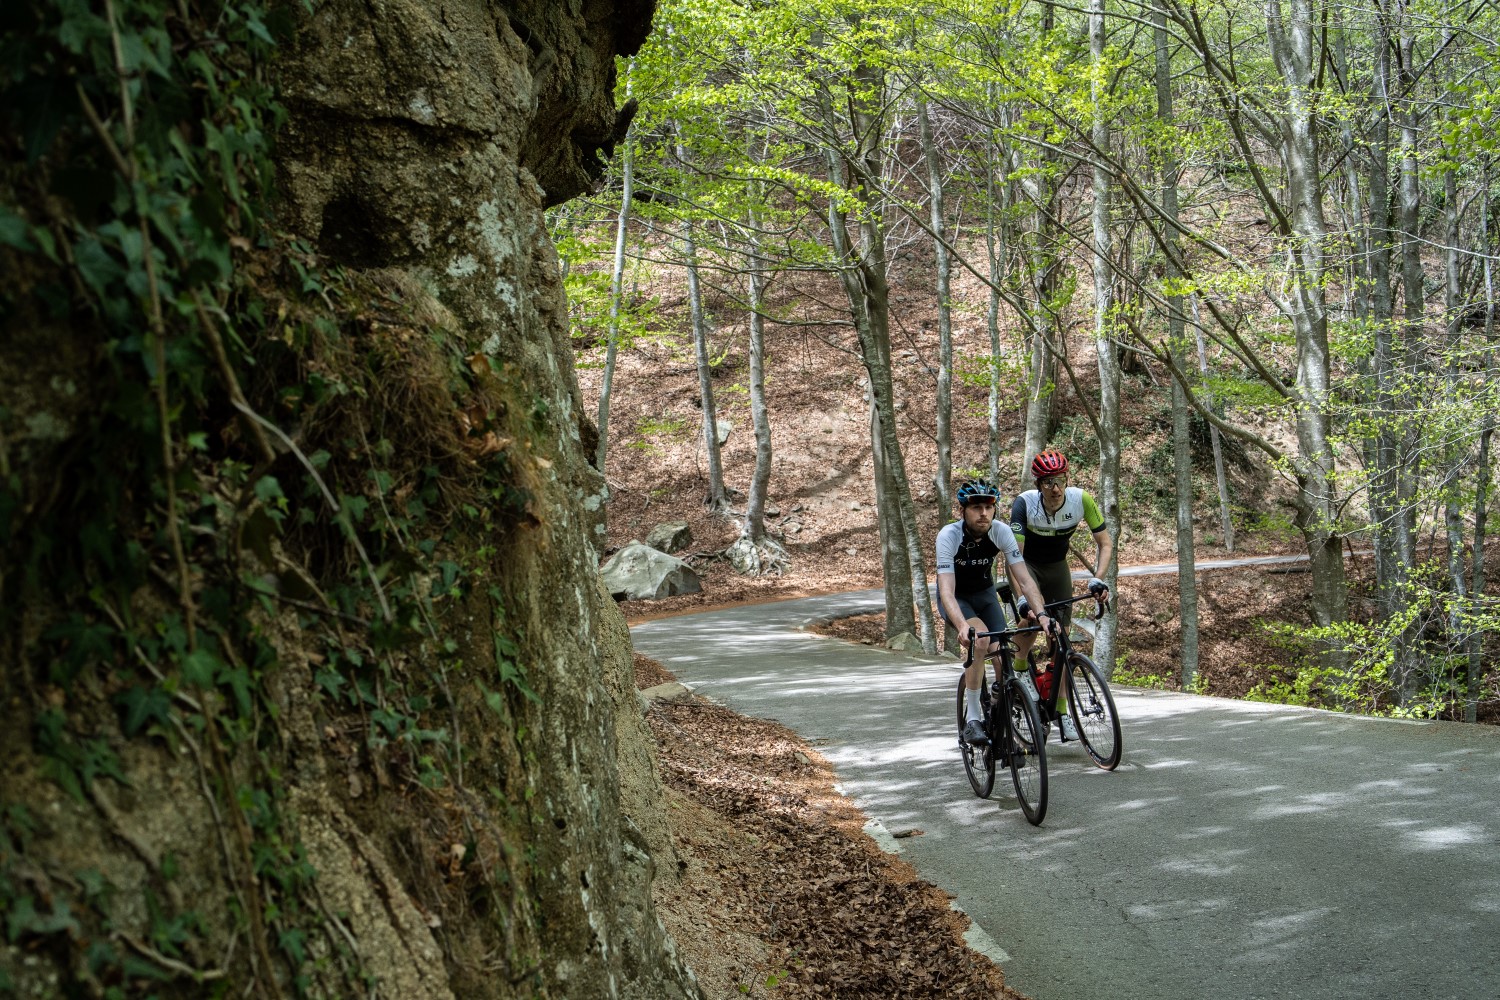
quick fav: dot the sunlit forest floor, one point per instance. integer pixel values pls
(821, 494)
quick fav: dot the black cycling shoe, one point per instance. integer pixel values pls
(974, 734)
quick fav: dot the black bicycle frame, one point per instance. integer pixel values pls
(1000, 695)
(1061, 647)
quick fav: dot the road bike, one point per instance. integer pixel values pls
(1090, 703)
(1012, 723)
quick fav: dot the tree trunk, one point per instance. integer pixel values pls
(1358, 280)
(1226, 513)
(900, 613)
(1488, 258)
(1041, 376)
(1477, 574)
(716, 498)
(1413, 296)
(1041, 373)
(755, 502)
(997, 248)
(942, 478)
(863, 275)
(1391, 356)
(1389, 569)
(905, 515)
(1044, 332)
(1108, 356)
(1453, 514)
(616, 281)
(1482, 472)
(1294, 49)
(1182, 455)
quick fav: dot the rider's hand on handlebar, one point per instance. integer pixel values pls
(1024, 608)
(1100, 590)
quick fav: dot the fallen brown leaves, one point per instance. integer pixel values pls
(781, 894)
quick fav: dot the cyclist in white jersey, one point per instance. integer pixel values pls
(966, 551)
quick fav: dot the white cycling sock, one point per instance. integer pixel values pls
(973, 708)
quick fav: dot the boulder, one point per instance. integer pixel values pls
(905, 643)
(723, 428)
(640, 573)
(674, 536)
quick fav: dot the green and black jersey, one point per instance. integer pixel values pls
(1043, 536)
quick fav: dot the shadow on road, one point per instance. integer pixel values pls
(1267, 850)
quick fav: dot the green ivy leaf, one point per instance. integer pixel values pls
(200, 667)
(13, 231)
(143, 705)
(24, 918)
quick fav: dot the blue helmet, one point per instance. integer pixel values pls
(976, 489)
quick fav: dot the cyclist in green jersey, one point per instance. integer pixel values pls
(1043, 520)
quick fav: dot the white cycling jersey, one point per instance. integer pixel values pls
(971, 560)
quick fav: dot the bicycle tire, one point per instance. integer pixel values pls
(1093, 710)
(1026, 750)
(979, 762)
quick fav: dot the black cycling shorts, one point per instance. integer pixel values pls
(984, 605)
(1055, 581)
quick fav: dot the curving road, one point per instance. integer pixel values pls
(1241, 851)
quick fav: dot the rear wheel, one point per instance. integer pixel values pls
(1026, 747)
(979, 762)
(1093, 711)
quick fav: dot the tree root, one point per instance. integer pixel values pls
(763, 558)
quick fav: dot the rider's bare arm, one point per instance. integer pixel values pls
(1104, 551)
(1022, 580)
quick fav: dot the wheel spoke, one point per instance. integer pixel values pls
(1093, 710)
(1026, 750)
(979, 762)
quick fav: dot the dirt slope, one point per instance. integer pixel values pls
(779, 893)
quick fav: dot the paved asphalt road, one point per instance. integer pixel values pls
(1240, 851)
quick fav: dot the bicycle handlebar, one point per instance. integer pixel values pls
(998, 633)
(1099, 614)
(1024, 605)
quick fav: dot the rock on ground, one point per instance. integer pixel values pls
(639, 572)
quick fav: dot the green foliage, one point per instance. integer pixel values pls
(1124, 673)
(590, 299)
(651, 431)
(976, 370)
(1308, 686)
(1412, 664)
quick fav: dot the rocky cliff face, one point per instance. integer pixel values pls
(422, 143)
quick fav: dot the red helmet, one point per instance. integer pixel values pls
(1050, 462)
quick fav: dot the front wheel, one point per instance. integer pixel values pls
(1093, 711)
(1025, 744)
(979, 762)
